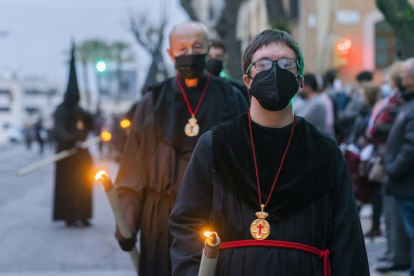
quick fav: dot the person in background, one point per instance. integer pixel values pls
(166, 126)
(399, 158)
(73, 181)
(314, 109)
(370, 94)
(216, 62)
(98, 123)
(329, 106)
(355, 104)
(40, 134)
(339, 100)
(28, 130)
(397, 255)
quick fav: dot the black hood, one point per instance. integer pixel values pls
(72, 91)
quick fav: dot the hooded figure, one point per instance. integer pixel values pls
(73, 186)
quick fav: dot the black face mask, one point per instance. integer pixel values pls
(191, 66)
(214, 66)
(274, 88)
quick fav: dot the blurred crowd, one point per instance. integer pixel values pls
(373, 125)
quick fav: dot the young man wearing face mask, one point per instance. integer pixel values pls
(166, 126)
(215, 65)
(275, 189)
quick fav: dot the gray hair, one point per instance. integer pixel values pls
(410, 64)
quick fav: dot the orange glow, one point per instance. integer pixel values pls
(207, 234)
(106, 136)
(344, 47)
(125, 123)
(99, 175)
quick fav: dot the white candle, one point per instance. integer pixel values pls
(210, 254)
(119, 215)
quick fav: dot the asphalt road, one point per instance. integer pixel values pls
(31, 244)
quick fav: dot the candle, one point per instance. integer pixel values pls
(210, 254)
(125, 123)
(117, 210)
(106, 136)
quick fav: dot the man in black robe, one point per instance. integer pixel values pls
(161, 141)
(312, 204)
(217, 56)
(73, 186)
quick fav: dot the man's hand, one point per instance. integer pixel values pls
(126, 244)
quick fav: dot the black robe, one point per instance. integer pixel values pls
(74, 175)
(312, 203)
(156, 154)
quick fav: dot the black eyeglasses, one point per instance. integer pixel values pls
(267, 64)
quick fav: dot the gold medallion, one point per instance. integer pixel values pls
(260, 228)
(80, 125)
(191, 129)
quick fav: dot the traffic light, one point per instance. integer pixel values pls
(101, 66)
(341, 52)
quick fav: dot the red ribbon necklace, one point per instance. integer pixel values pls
(192, 128)
(260, 228)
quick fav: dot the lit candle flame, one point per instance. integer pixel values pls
(106, 136)
(207, 234)
(125, 123)
(100, 175)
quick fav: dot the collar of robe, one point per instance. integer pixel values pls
(171, 113)
(309, 171)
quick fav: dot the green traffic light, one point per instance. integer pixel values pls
(101, 66)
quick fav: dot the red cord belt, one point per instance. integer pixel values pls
(322, 254)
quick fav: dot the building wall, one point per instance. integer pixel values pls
(318, 30)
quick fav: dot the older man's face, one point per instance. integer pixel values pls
(190, 40)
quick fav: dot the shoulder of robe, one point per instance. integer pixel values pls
(227, 126)
(158, 93)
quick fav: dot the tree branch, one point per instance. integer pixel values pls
(186, 4)
(400, 15)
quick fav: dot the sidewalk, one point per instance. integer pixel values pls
(376, 248)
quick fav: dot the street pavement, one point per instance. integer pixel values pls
(32, 245)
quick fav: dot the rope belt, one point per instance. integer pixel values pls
(322, 254)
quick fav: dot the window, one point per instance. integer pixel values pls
(31, 109)
(33, 92)
(384, 45)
